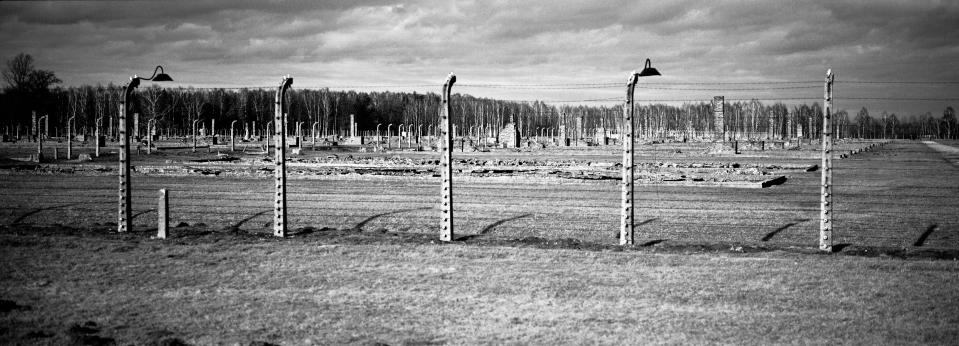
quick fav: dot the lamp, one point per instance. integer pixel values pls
(125, 215)
(647, 70)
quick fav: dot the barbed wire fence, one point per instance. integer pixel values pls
(870, 207)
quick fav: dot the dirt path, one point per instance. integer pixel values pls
(951, 153)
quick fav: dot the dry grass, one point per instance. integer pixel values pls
(222, 289)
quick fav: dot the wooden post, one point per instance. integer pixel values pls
(69, 138)
(446, 162)
(279, 173)
(626, 220)
(825, 219)
(163, 214)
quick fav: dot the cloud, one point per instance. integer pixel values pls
(409, 42)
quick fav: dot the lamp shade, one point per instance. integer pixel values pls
(648, 70)
(163, 77)
(160, 77)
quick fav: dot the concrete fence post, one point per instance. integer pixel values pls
(626, 235)
(388, 143)
(194, 134)
(40, 142)
(232, 136)
(279, 173)
(125, 212)
(163, 214)
(446, 162)
(151, 126)
(269, 136)
(70, 137)
(378, 139)
(825, 222)
(96, 136)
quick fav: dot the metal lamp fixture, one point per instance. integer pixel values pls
(648, 70)
(125, 213)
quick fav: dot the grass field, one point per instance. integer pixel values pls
(222, 289)
(535, 261)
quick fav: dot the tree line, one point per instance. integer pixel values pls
(174, 110)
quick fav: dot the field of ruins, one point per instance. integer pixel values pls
(726, 231)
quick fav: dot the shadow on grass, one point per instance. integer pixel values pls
(20, 219)
(134, 217)
(925, 235)
(772, 234)
(840, 247)
(653, 242)
(237, 225)
(359, 226)
(493, 225)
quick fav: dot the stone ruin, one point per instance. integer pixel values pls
(601, 137)
(509, 135)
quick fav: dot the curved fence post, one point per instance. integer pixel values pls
(279, 173)
(446, 162)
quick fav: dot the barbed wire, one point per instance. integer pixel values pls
(643, 86)
(587, 85)
(898, 82)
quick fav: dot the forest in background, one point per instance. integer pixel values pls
(30, 90)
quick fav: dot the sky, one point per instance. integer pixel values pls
(413, 45)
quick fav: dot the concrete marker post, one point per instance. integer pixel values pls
(163, 214)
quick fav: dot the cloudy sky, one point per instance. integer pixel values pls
(413, 45)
